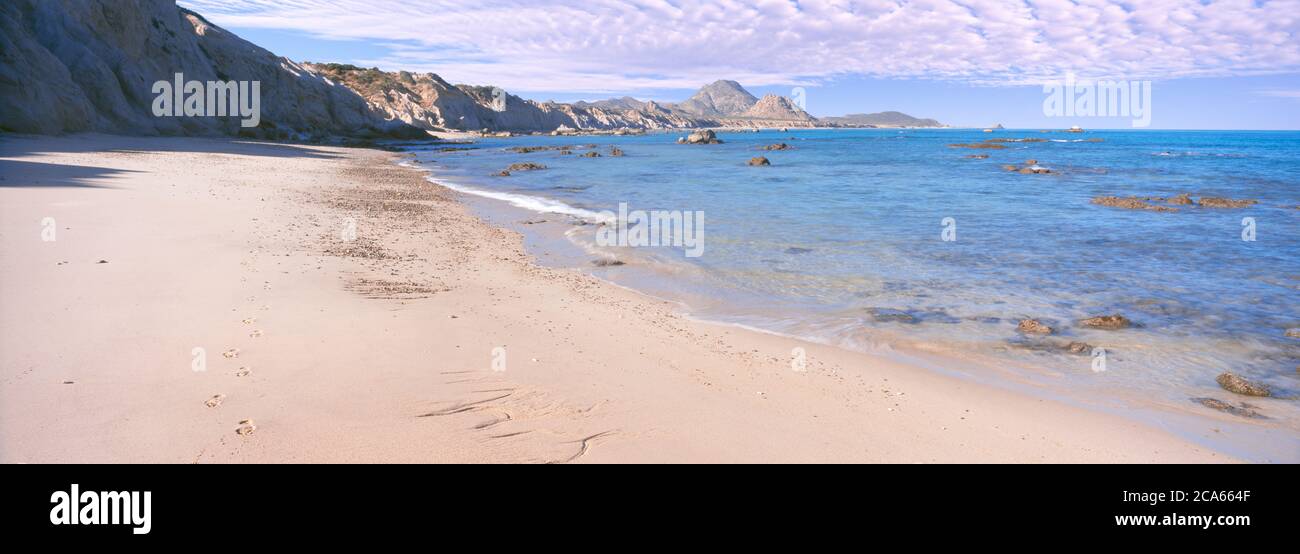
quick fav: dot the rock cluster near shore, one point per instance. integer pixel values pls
(1163, 204)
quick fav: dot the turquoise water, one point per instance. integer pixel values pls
(840, 240)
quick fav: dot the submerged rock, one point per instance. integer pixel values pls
(1183, 199)
(1108, 322)
(889, 315)
(759, 160)
(1232, 383)
(1034, 327)
(987, 145)
(615, 151)
(1076, 347)
(1214, 202)
(603, 262)
(1130, 203)
(1293, 333)
(524, 166)
(978, 156)
(1244, 410)
(777, 146)
(592, 154)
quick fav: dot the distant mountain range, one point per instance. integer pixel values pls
(881, 119)
(90, 68)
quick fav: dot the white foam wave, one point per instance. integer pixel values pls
(534, 203)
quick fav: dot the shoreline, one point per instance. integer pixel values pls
(551, 243)
(201, 234)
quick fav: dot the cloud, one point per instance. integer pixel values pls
(1280, 93)
(606, 46)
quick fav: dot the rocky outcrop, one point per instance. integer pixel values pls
(1233, 383)
(759, 161)
(1184, 199)
(704, 136)
(773, 110)
(90, 65)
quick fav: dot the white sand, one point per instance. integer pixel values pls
(381, 349)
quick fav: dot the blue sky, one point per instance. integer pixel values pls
(1212, 65)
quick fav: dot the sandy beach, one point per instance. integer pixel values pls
(207, 300)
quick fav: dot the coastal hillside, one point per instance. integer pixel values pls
(89, 65)
(427, 101)
(881, 119)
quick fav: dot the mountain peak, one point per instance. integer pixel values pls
(719, 99)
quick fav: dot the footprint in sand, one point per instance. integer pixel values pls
(232, 353)
(243, 372)
(246, 427)
(214, 401)
(256, 333)
(250, 320)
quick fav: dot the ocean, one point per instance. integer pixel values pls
(891, 240)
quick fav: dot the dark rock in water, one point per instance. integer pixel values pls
(606, 263)
(531, 149)
(1244, 410)
(1076, 347)
(1213, 202)
(889, 315)
(503, 173)
(1130, 203)
(978, 156)
(615, 151)
(988, 145)
(703, 136)
(592, 154)
(777, 146)
(797, 250)
(1108, 322)
(525, 166)
(1293, 333)
(759, 160)
(1183, 199)
(1033, 327)
(532, 221)
(1232, 383)
(1009, 167)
